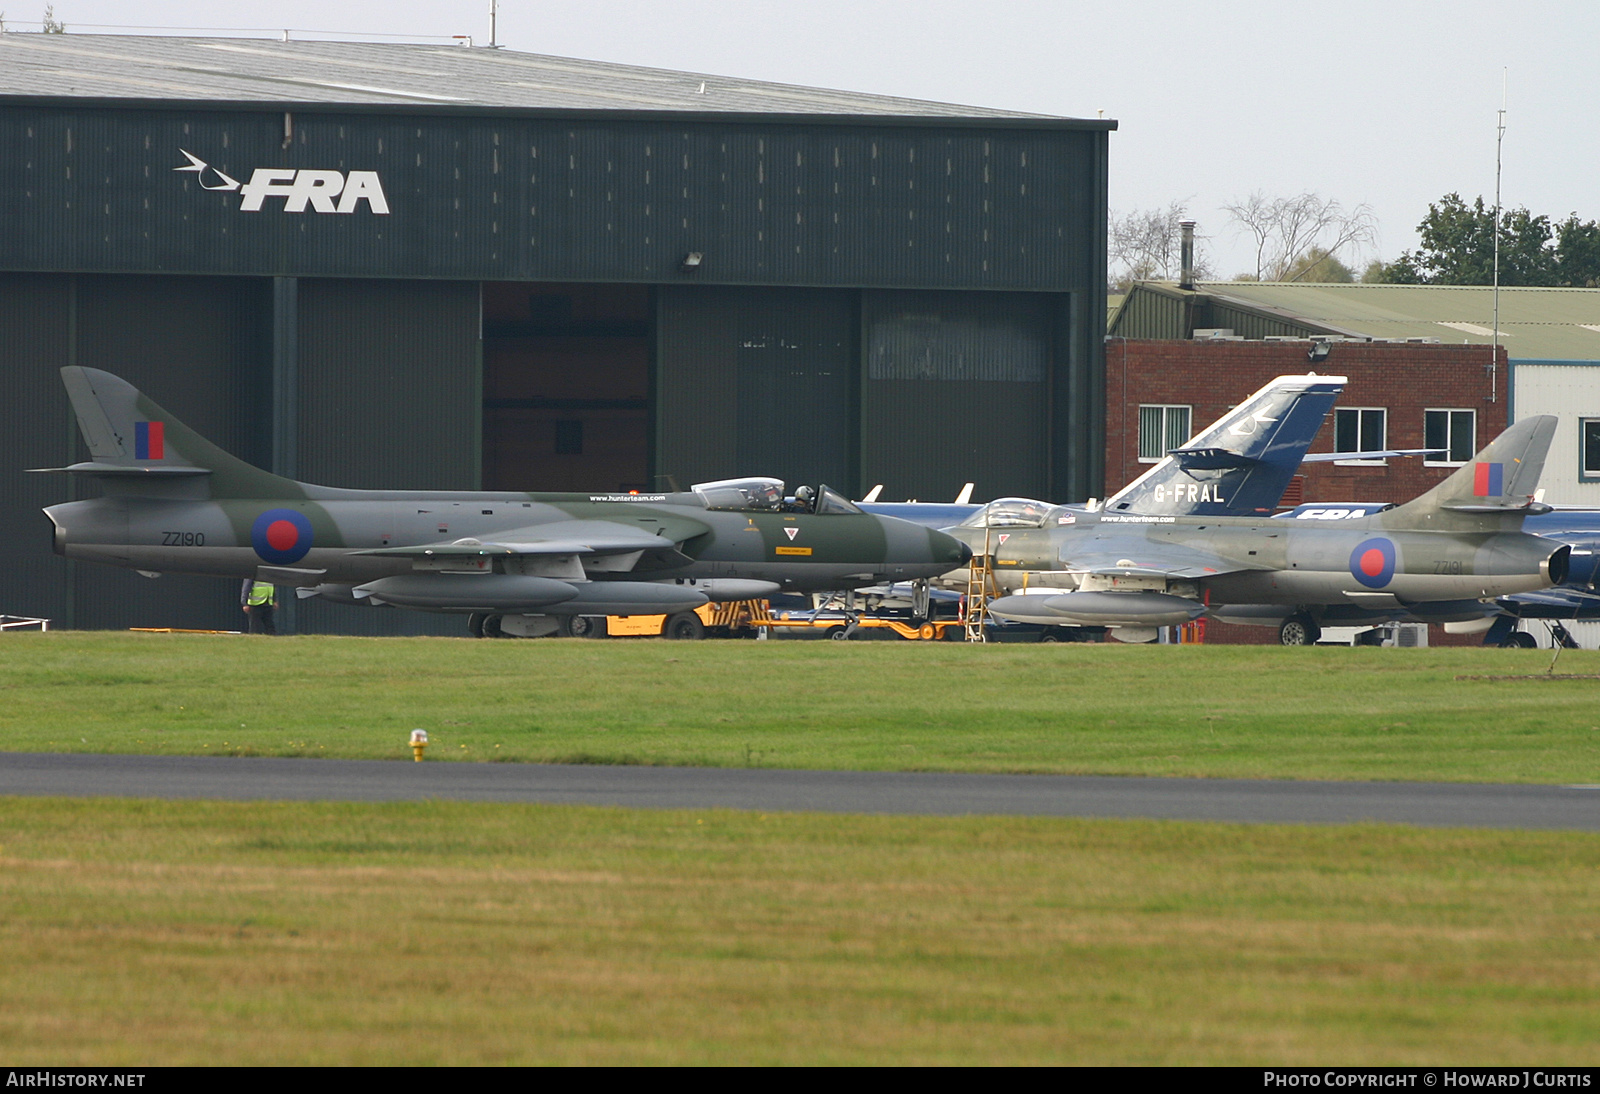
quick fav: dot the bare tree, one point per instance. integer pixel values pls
(1286, 230)
(1145, 245)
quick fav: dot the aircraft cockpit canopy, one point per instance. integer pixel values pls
(1010, 513)
(758, 493)
(767, 495)
(830, 500)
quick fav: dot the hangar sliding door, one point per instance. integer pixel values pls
(389, 384)
(955, 389)
(389, 399)
(34, 313)
(755, 381)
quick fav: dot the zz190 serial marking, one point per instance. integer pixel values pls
(183, 539)
(1443, 567)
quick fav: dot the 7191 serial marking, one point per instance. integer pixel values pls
(1447, 567)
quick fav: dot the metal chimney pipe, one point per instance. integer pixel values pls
(1186, 276)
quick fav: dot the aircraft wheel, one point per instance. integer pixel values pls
(1049, 635)
(491, 627)
(837, 634)
(1299, 630)
(685, 626)
(475, 623)
(581, 626)
(1519, 640)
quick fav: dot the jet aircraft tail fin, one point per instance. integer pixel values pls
(1495, 489)
(137, 447)
(1242, 463)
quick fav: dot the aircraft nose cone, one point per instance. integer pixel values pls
(949, 549)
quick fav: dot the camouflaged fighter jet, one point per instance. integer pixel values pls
(517, 563)
(1437, 557)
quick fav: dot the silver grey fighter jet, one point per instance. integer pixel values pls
(519, 563)
(1437, 557)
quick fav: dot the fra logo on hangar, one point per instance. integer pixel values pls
(299, 188)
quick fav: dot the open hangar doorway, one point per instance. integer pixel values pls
(566, 386)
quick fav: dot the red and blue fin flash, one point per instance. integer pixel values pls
(149, 440)
(1488, 480)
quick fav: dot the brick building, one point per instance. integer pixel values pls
(1400, 395)
(1551, 336)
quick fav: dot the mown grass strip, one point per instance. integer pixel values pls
(234, 933)
(1218, 711)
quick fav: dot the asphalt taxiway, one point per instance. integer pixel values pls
(777, 790)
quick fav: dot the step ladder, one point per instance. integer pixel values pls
(980, 590)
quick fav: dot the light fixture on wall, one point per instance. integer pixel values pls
(691, 262)
(1319, 351)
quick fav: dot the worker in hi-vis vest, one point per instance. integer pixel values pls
(259, 599)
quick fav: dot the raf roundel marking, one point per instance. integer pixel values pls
(1372, 562)
(281, 536)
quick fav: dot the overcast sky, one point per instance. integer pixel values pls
(1389, 104)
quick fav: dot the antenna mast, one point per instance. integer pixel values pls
(494, 11)
(1499, 139)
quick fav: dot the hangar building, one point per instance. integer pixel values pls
(449, 267)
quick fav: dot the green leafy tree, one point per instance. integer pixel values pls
(1578, 253)
(1458, 248)
(52, 25)
(1376, 273)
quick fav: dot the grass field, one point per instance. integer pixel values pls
(1212, 711)
(201, 932)
(222, 933)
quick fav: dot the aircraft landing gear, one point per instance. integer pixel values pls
(1519, 640)
(475, 623)
(491, 627)
(1299, 630)
(581, 626)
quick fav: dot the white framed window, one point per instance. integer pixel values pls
(1589, 449)
(1161, 429)
(1455, 431)
(1360, 429)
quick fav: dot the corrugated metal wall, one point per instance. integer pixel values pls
(920, 391)
(38, 431)
(755, 382)
(1151, 313)
(768, 201)
(390, 392)
(1570, 390)
(390, 398)
(1146, 314)
(956, 389)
